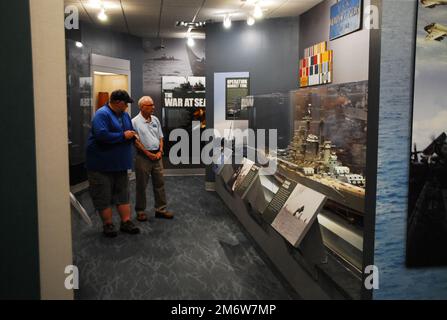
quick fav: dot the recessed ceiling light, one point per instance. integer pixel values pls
(102, 15)
(79, 44)
(258, 14)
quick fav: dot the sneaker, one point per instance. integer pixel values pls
(165, 214)
(129, 227)
(109, 230)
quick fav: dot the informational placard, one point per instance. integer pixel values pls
(183, 92)
(237, 93)
(299, 212)
(240, 173)
(346, 17)
(278, 201)
(247, 182)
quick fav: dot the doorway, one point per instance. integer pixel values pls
(108, 74)
(104, 83)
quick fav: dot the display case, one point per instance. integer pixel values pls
(315, 200)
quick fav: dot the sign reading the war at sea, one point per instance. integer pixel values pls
(346, 17)
(237, 90)
(183, 92)
(427, 200)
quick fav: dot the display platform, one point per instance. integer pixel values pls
(306, 254)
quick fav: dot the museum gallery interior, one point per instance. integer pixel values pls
(224, 150)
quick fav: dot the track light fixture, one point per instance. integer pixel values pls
(250, 20)
(227, 22)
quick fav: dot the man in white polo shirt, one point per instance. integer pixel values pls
(148, 161)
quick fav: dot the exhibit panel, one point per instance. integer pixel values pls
(79, 103)
(316, 197)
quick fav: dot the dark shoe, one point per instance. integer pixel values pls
(141, 216)
(164, 214)
(109, 231)
(129, 227)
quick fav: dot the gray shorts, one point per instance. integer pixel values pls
(108, 188)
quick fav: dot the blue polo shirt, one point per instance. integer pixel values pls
(149, 132)
(107, 149)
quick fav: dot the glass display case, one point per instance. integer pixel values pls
(321, 146)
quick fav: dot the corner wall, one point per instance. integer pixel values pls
(51, 138)
(19, 246)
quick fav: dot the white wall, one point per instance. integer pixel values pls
(50, 103)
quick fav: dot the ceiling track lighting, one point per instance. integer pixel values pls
(227, 22)
(194, 25)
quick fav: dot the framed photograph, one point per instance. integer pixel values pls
(236, 90)
(299, 212)
(427, 198)
(346, 17)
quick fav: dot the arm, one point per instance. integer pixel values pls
(102, 132)
(159, 154)
(141, 147)
(161, 145)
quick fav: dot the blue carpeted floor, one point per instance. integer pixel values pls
(202, 254)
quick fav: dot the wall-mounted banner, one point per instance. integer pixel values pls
(183, 92)
(346, 17)
(237, 102)
(427, 200)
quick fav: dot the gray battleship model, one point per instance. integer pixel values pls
(315, 164)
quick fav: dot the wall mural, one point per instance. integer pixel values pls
(170, 57)
(427, 201)
(176, 63)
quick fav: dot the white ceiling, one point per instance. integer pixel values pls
(153, 18)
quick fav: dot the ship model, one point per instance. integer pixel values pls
(312, 161)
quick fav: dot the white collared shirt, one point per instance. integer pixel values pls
(149, 131)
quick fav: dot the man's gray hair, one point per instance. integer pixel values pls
(140, 102)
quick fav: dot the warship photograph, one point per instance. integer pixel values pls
(427, 205)
(427, 189)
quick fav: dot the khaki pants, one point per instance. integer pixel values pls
(144, 169)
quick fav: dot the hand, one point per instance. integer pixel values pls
(151, 155)
(159, 155)
(128, 135)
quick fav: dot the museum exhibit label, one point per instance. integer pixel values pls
(237, 91)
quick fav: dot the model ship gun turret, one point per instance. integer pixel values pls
(311, 155)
